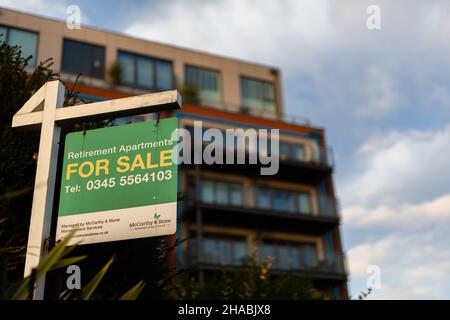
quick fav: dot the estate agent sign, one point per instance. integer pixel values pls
(119, 183)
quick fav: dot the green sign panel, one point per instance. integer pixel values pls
(119, 183)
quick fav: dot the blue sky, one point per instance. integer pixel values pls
(383, 96)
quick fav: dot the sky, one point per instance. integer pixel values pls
(383, 96)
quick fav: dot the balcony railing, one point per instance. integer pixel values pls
(332, 264)
(312, 155)
(328, 207)
(294, 119)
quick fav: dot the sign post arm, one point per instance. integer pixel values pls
(44, 187)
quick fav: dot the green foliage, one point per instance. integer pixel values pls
(21, 289)
(58, 258)
(16, 84)
(190, 94)
(115, 73)
(134, 292)
(88, 290)
(18, 150)
(254, 280)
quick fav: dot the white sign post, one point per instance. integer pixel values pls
(44, 109)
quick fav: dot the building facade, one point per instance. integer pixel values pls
(226, 211)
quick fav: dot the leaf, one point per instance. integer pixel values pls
(134, 292)
(22, 291)
(11, 249)
(93, 284)
(67, 262)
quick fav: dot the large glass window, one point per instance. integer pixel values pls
(236, 196)
(219, 249)
(294, 151)
(206, 81)
(263, 198)
(283, 200)
(220, 192)
(268, 251)
(84, 58)
(26, 40)
(145, 72)
(289, 255)
(309, 254)
(208, 191)
(258, 94)
(304, 202)
(280, 200)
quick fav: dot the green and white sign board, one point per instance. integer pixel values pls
(119, 183)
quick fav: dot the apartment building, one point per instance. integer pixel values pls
(227, 211)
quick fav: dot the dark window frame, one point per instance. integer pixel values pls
(91, 45)
(8, 28)
(298, 245)
(228, 238)
(228, 183)
(290, 146)
(154, 61)
(275, 94)
(272, 191)
(218, 71)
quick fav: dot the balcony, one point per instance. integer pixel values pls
(307, 161)
(332, 267)
(276, 116)
(315, 165)
(245, 215)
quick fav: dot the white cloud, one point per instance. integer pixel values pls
(405, 216)
(269, 32)
(398, 202)
(353, 73)
(380, 93)
(406, 166)
(52, 9)
(414, 265)
(41, 7)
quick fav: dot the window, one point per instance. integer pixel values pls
(206, 81)
(223, 193)
(268, 251)
(289, 255)
(304, 202)
(294, 151)
(84, 58)
(257, 94)
(283, 200)
(285, 150)
(219, 249)
(208, 192)
(263, 198)
(236, 195)
(279, 200)
(26, 40)
(145, 72)
(298, 152)
(309, 254)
